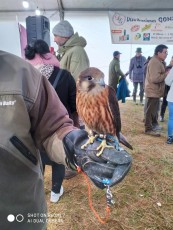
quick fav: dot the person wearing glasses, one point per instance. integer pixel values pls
(136, 74)
(154, 89)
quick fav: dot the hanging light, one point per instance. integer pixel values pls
(25, 4)
(37, 11)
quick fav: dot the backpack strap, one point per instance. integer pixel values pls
(57, 78)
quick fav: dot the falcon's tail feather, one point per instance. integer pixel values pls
(123, 140)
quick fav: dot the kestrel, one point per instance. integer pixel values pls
(98, 107)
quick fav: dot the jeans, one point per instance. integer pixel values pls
(170, 119)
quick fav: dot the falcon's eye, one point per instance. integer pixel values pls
(90, 78)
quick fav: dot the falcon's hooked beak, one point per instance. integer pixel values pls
(101, 82)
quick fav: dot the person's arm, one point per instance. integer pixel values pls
(118, 70)
(144, 59)
(48, 115)
(50, 122)
(131, 66)
(157, 73)
(169, 78)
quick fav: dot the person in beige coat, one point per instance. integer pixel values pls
(154, 89)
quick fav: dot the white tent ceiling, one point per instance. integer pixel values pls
(86, 5)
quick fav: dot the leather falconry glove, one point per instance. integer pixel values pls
(112, 166)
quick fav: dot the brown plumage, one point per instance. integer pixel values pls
(97, 104)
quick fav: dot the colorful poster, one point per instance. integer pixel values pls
(141, 27)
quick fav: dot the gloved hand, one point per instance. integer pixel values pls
(111, 166)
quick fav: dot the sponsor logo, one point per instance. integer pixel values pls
(116, 31)
(118, 19)
(137, 36)
(146, 37)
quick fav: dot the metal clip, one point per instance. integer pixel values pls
(109, 196)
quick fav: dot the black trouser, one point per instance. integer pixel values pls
(58, 172)
(151, 112)
(164, 102)
(163, 107)
(141, 93)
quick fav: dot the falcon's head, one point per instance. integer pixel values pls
(91, 79)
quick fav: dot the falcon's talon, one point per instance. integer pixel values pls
(91, 140)
(102, 146)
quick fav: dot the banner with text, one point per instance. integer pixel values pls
(141, 27)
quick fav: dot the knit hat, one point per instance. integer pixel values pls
(63, 29)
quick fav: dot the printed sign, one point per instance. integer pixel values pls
(141, 27)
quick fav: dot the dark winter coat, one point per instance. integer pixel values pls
(66, 89)
(114, 73)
